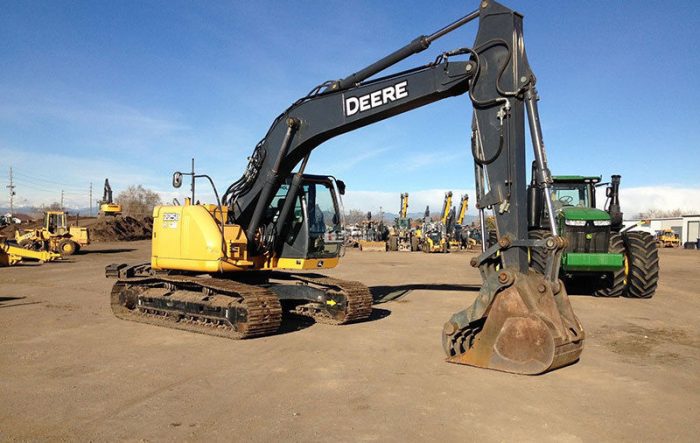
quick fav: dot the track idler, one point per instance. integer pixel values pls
(519, 323)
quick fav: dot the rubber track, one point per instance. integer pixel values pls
(264, 312)
(643, 255)
(359, 299)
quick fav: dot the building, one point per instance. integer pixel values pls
(691, 228)
(686, 226)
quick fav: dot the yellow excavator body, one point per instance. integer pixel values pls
(191, 238)
(110, 209)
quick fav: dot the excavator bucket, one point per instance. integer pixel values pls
(525, 328)
(372, 246)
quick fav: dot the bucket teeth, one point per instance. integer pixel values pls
(526, 329)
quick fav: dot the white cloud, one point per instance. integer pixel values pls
(643, 198)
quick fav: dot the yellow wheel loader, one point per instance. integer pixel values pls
(668, 239)
(55, 236)
(231, 268)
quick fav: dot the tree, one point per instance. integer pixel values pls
(355, 216)
(137, 201)
(661, 213)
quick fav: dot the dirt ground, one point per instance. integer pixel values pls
(69, 370)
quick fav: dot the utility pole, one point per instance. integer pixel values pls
(90, 199)
(11, 187)
(61, 199)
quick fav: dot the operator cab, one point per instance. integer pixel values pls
(315, 228)
(55, 222)
(578, 192)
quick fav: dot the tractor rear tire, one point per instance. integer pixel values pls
(615, 282)
(643, 258)
(67, 247)
(538, 260)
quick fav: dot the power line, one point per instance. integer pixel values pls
(42, 179)
(43, 187)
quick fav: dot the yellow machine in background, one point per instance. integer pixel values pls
(55, 236)
(12, 255)
(668, 239)
(434, 234)
(107, 205)
(374, 235)
(457, 234)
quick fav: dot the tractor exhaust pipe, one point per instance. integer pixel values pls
(612, 192)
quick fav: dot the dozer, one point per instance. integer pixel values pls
(229, 268)
(11, 255)
(435, 234)
(401, 236)
(600, 254)
(108, 208)
(55, 236)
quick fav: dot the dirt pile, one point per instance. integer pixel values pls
(121, 229)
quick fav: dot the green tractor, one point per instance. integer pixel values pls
(607, 259)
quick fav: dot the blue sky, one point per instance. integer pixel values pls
(133, 90)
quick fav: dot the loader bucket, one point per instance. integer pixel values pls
(525, 329)
(372, 246)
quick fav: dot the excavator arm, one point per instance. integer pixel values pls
(463, 206)
(403, 213)
(446, 207)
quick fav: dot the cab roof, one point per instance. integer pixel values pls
(577, 178)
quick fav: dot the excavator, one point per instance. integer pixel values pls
(435, 234)
(459, 238)
(228, 268)
(401, 237)
(107, 205)
(375, 234)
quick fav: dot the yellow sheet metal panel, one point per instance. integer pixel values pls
(186, 238)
